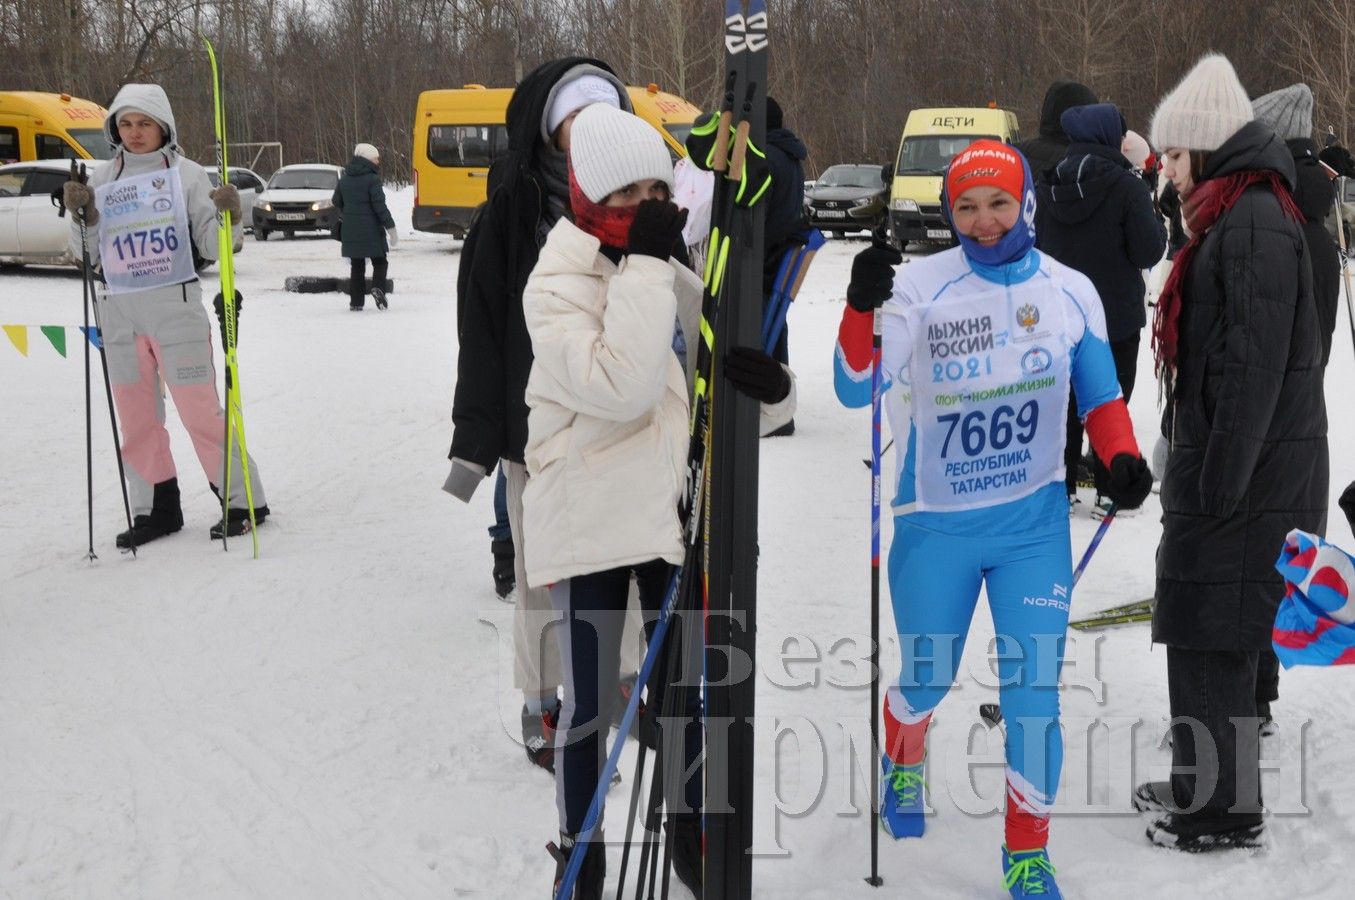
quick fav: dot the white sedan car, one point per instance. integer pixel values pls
(298, 198)
(31, 232)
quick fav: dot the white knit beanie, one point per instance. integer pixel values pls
(1204, 110)
(367, 152)
(609, 149)
(1289, 111)
(582, 91)
(1135, 149)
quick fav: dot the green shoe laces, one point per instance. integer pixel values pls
(1031, 871)
(905, 782)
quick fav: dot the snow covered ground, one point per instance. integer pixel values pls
(336, 719)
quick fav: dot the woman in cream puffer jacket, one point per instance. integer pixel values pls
(607, 427)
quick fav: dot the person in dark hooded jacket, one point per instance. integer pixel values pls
(1236, 338)
(785, 212)
(1044, 151)
(1095, 215)
(368, 227)
(1290, 112)
(528, 193)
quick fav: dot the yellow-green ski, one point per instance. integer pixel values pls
(235, 417)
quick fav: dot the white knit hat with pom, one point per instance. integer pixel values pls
(1204, 110)
(609, 149)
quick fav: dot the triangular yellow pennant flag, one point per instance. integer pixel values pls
(18, 336)
(57, 335)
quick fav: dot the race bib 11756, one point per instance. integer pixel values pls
(143, 232)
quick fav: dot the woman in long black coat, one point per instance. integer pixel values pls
(1237, 339)
(367, 225)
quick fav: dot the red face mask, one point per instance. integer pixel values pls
(609, 224)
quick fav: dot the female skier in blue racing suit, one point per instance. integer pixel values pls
(980, 344)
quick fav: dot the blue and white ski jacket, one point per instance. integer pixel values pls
(977, 364)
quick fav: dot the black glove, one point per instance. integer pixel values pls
(701, 140)
(1347, 502)
(657, 228)
(757, 374)
(873, 276)
(1338, 158)
(1130, 481)
(1169, 202)
(219, 304)
(755, 181)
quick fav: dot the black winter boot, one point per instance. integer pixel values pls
(166, 517)
(642, 729)
(689, 852)
(1184, 833)
(592, 873)
(538, 736)
(504, 575)
(237, 522)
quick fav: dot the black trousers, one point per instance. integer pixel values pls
(1216, 741)
(1267, 677)
(590, 645)
(357, 287)
(1126, 355)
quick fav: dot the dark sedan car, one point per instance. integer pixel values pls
(849, 197)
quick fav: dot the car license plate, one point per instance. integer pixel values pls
(940, 234)
(830, 214)
(291, 217)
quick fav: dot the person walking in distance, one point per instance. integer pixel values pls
(368, 229)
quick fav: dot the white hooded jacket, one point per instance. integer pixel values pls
(151, 100)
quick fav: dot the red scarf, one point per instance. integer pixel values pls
(1201, 208)
(609, 224)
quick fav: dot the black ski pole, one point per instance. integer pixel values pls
(58, 199)
(86, 277)
(876, 383)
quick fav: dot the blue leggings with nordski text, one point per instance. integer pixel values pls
(934, 582)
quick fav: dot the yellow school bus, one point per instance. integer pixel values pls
(35, 125)
(930, 139)
(458, 134)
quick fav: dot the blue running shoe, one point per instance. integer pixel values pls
(1029, 873)
(901, 799)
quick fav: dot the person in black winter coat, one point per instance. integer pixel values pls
(1290, 112)
(528, 193)
(1044, 151)
(1236, 336)
(367, 225)
(1095, 215)
(785, 210)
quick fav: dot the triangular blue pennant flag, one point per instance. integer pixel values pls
(92, 333)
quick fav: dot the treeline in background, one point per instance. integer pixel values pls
(320, 75)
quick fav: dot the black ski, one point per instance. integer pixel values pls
(732, 559)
